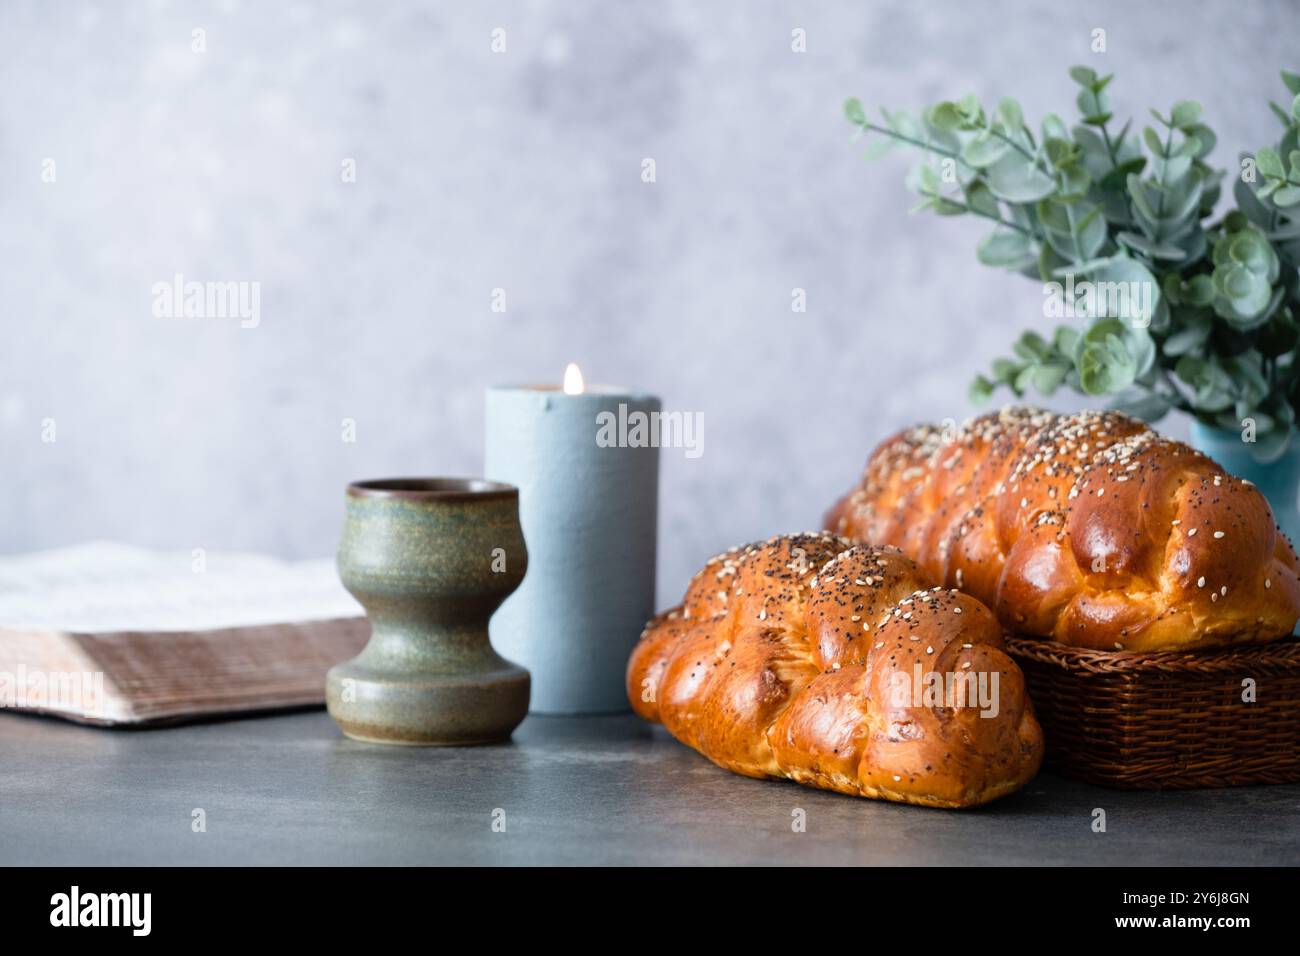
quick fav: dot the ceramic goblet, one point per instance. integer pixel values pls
(430, 559)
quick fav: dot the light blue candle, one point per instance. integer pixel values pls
(587, 469)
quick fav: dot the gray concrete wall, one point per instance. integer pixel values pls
(518, 170)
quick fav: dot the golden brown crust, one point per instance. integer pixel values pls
(1090, 529)
(837, 666)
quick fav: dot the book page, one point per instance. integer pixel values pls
(102, 587)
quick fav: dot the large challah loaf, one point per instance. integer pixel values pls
(1090, 529)
(839, 667)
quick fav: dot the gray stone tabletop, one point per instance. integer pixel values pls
(290, 789)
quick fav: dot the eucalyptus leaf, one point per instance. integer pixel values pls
(1153, 141)
(983, 150)
(1269, 163)
(1080, 269)
(1190, 338)
(1093, 150)
(1130, 291)
(1117, 177)
(904, 124)
(1186, 114)
(946, 116)
(981, 390)
(1094, 105)
(1258, 213)
(970, 107)
(1074, 180)
(1053, 127)
(1287, 196)
(1204, 137)
(1110, 356)
(944, 206)
(1047, 378)
(878, 148)
(1247, 375)
(1146, 405)
(1172, 306)
(1190, 148)
(1010, 115)
(1182, 199)
(1083, 75)
(1075, 230)
(1015, 179)
(1105, 367)
(981, 200)
(1032, 347)
(1194, 370)
(1169, 170)
(1006, 248)
(1200, 290)
(1149, 247)
(1137, 191)
(1005, 371)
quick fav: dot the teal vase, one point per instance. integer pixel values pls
(1279, 480)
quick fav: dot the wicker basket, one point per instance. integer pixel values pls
(1168, 720)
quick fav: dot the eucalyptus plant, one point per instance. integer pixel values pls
(1169, 307)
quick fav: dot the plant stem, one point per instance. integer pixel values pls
(930, 147)
(967, 207)
(1160, 200)
(1114, 164)
(1110, 147)
(1036, 160)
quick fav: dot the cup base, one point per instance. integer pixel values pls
(427, 710)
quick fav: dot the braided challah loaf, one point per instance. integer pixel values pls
(1090, 529)
(839, 667)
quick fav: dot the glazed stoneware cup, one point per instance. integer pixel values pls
(430, 559)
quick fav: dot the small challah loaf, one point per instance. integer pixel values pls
(1090, 529)
(839, 667)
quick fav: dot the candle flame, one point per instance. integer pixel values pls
(573, 380)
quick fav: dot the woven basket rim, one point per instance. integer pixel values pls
(1284, 653)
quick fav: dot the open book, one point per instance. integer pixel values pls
(113, 634)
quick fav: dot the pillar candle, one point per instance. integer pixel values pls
(588, 482)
